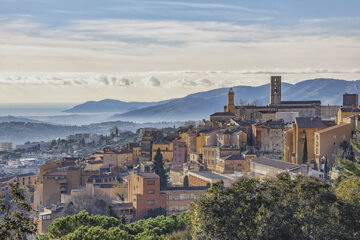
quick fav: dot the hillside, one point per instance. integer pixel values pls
(110, 105)
(17, 119)
(201, 105)
(21, 132)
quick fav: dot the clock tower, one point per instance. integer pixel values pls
(275, 91)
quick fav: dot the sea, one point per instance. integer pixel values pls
(28, 110)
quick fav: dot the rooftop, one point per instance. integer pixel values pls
(58, 172)
(148, 175)
(230, 114)
(333, 127)
(26, 175)
(210, 175)
(102, 176)
(302, 102)
(313, 122)
(234, 157)
(350, 109)
(186, 188)
(275, 163)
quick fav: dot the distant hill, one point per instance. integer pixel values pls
(17, 119)
(201, 105)
(21, 132)
(110, 105)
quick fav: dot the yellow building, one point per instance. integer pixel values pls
(346, 112)
(303, 133)
(190, 139)
(231, 163)
(200, 142)
(136, 154)
(166, 151)
(125, 157)
(327, 141)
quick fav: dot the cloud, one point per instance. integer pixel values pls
(151, 82)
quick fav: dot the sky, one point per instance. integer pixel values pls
(72, 51)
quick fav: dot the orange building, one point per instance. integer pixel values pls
(144, 193)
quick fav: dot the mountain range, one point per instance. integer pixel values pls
(111, 105)
(200, 105)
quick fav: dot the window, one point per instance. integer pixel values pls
(151, 202)
(151, 182)
(46, 217)
(151, 191)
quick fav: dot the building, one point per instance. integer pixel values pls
(328, 140)
(111, 156)
(28, 179)
(5, 146)
(103, 183)
(222, 116)
(166, 149)
(46, 217)
(189, 137)
(269, 136)
(231, 138)
(263, 166)
(346, 112)
(302, 134)
(266, 167)
(206, 178)
(179, 154)
(350, 100)
(54, 180)
(144, 193)
(233, 163)
(179, 199)
(125, 157)
(212, 154)
(276, 104)
(148, 137)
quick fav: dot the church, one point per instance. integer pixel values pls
(276, 109)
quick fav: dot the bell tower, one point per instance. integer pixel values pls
(275, 91)
(231, 104)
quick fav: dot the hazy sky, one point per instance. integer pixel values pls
(78, 50)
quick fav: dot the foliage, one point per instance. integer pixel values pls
(283, 208)
(349, 190)
(347, 163)
(83, 226)
(15, 216)
(158, 168)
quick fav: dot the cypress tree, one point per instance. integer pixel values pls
(186, 181)
(305, 152)
(158, 168)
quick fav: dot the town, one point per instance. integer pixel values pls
(162, 171)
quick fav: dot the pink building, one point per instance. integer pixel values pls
(179, 154)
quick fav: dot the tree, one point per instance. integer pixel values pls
(158, 168)
(282, 208)
(15, 216)
(123, 219)
(349, 190)
(83, 226)
(305, 151)
(186, 181)
(348, 164)
(110, 212)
